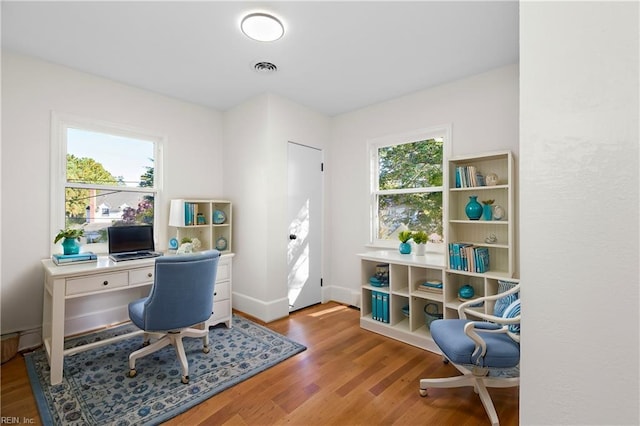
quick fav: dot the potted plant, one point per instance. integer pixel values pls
(70, 239)
(404, 237)
(420, 239)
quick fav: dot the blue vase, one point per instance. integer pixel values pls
(70, 246)
(473, 208)
(405, 248)
(487, 212)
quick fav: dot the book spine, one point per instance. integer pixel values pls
(379, 305)
(385, 308)
(374, 305)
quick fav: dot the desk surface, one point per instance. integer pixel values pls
(104, 264)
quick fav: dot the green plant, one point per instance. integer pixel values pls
(487, 202)
(185, 240)
(71, 233)
(405, 236)
(419, 237)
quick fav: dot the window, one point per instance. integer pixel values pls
(407, 174)
(103, 175)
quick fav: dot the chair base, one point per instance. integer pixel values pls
(480, 383)
(173, 338)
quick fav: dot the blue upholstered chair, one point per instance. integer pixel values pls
(486, 352)
(181, 297)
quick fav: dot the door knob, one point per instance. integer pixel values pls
(292, 236)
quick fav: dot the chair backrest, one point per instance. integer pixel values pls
(182, 293)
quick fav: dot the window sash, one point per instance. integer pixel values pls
(60, 123)
(374, 145)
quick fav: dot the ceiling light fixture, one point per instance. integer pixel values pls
(262, 27)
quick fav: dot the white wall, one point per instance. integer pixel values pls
(483, 114)
(579, 213)
(31, 89)
(256, 134)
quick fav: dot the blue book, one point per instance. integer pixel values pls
(483, 259)
(379, 305)
(385, 308)
(374, 305)
(74, 258)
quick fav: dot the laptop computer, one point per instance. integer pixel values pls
(131, 242)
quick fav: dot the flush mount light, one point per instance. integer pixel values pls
(262, 27)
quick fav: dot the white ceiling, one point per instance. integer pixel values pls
(334, 57)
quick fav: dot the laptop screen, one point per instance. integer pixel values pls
(123, 239)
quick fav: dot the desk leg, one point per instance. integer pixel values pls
(56, 354)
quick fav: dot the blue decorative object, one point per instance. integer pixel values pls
(487, 212)
(173, 244)
(219, 217)
(70, 246)
(473, 208)
(405, 248)
(221, 244)
(466, 291)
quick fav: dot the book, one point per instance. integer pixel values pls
(67, 259)
(385, 308)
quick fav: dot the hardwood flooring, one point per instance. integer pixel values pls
(347, 376)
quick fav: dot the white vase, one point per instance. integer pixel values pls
(420, 249)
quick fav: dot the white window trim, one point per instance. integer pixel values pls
(443, 130)
(60, 122)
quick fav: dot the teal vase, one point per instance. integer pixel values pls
(405, 248)
(473, 208)
(487, 212)
(70, 246)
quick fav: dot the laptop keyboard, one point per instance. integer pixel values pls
(133, 256)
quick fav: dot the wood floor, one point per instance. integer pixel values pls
(347, 376)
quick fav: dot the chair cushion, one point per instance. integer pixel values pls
(136, 312)
(502, 351)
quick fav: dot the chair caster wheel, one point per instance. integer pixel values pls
(132, 372)
(423, 392)
(185, 380)
(206, 349)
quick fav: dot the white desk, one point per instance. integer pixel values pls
(62, 283)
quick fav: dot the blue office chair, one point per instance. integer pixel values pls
(485, 352)
(181, 297)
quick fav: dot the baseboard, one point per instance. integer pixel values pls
(344, 295)
(264, 311)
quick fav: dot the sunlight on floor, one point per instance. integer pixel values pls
(329, 311)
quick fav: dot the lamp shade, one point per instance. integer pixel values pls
(176, 213)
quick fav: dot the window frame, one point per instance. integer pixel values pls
(60, 122)
(373, 145)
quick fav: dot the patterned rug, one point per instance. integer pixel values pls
(96, 389)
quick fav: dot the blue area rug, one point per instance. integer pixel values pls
(96, 389)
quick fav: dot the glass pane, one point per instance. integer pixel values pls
(419, 212)
(411, 165)
(97, 209)
(103, 159)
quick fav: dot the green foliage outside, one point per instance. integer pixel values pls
(410, 166)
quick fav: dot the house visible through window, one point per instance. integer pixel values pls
(407, 185)
(110, 179)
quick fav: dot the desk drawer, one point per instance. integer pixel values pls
(96, 283)
(142, 275)
(221, 291)
(224, 271)
(221, 310)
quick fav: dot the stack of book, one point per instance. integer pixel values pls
(74, 259)
(431, 286)
(380, 306)
(468, 257)
(468, 177)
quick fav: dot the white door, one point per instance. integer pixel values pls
(304, 209)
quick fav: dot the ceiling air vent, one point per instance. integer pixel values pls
(264, 67)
